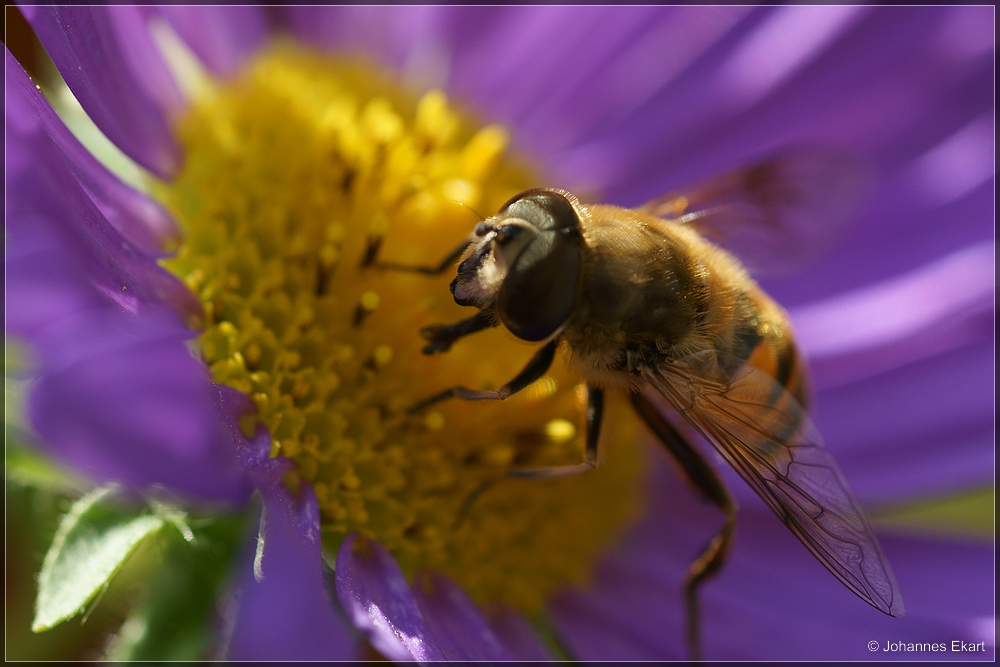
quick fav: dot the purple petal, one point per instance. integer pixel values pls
(942, 584)
(566, 94)
(390, 34)
(786, 42)
(958, 165)
(268, 476)
(230, 406)
(917, 431)
(555, 70)
(222, 37)
(613, 85)
(124, 400)
(109, 61)
(42, 286)
(455, 621)
(772, 599)
(897, 235)
(903, 228)
(517, 635)
(866, 89)
(286, 615)
(58, 238)
(933, 309)
(117, 393)
(137, 217)
(378, 600)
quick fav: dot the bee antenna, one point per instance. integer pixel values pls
(478, 214)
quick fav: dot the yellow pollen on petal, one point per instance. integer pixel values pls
(295, 170)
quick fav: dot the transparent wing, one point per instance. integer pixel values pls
(763, 432)
(775, 215)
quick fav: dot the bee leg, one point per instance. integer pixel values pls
(439, 268)
(704, 478)
(440, 336)
(595, 415)
(535, 369)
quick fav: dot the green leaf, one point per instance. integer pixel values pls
(174, 622)
(93, 541)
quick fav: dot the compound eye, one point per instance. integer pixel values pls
(543, 209)
(540, 291)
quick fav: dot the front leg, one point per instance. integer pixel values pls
(440, 336)
(535, 369)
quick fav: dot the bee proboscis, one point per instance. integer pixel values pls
(643, 301)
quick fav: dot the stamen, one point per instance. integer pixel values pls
(369, 302)
(371, 251)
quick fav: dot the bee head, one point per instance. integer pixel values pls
(525, 262)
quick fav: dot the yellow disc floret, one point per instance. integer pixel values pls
(297, 171)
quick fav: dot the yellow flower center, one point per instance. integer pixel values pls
(292, 170)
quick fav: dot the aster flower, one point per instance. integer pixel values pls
(281, 175)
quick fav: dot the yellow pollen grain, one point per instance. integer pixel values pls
(382, 355)
(560, 430)
(434, 420)
(461, 191)
(293, 169)
(350, 481)
(370, 300)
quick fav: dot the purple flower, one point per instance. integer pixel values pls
(896, 317)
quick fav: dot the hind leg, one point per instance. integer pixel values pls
(707, 482)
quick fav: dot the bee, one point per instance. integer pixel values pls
(644, 300)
